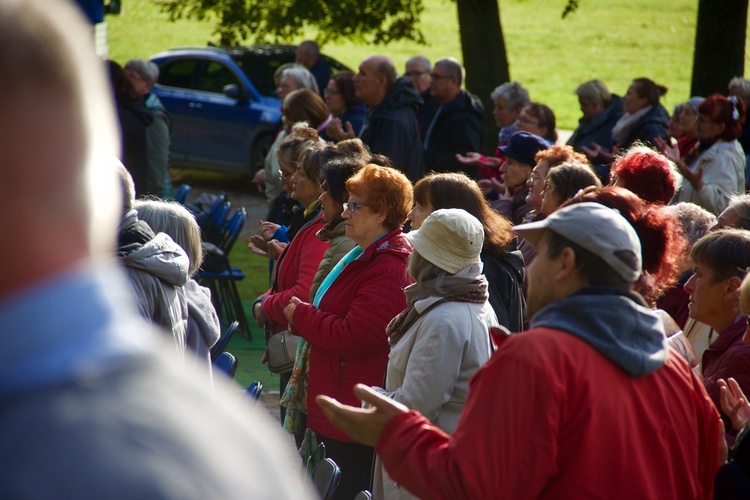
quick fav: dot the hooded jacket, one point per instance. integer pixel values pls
(599, 128)
(203, 327)
(391, 129)
(457, 128)
(505, 276)
(556, 413)
(135, 118)
(158, 269)
(347, 331)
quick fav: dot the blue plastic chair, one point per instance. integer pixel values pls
(255, 389)
(221, 344)
(226, 363)
(182, 193)
(325, 478)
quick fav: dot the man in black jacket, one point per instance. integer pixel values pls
(391, 125)
(456, 127)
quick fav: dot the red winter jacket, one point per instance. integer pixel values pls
(347, 332)
(294, 273)
(550, 417)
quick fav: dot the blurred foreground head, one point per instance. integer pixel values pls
(59, 139)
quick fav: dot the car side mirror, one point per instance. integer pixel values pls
(233, 91)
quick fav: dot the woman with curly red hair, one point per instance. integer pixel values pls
(719, 168)
(661, 242)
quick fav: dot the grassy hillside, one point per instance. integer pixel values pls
(611, 40)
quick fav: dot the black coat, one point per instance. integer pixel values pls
(135, 118)
(652, 125)
(391, 129)
(505, 275)
(457, 129)
(599, 128)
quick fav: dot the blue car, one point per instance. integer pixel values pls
(224, 110)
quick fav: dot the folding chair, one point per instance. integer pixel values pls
(325, 478)
(219, 347)
(226, 363)
(182, 193)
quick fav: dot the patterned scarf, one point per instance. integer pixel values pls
(450, 288)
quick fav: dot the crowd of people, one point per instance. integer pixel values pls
(555, 320)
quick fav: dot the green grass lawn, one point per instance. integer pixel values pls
(611, 40)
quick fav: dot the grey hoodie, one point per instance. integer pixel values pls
(619, 325)
(158, 269)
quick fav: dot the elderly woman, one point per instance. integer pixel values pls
(298, 262)
(601, 110)
(503, 264)
(538, 119)
(346, 323)
(292, 77)
(442, 338)
(719, 169)
(645, 119)
(347, 111)
(203, 328)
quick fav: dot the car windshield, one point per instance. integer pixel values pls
(260, 68)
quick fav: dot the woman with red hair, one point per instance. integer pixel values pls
(646, 173)
(659, 232)
(719, 168)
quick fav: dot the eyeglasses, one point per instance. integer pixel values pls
(414, 74)
(353, 206)
(435, 76)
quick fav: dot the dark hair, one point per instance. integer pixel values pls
(721, 111)
(592, 268)
(647, 88)
(569, 177)
(121, 87)
(646, 173)
(658, 229)
(546, 118)
(725, 252)
(456, 190)
(345, 87)
(335, 174)
(315, 157)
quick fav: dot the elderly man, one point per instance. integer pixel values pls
(736, 215)
(418, 70)
(308, 55)
(391, 124)
(143, 75)
(456, 127)
(93, 402)
(588, 403)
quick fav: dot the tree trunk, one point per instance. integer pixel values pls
(719, 45)
(485, 60)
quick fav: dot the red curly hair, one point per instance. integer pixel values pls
(385, 190)
(661, 242)
(559, 153)
(646, 173)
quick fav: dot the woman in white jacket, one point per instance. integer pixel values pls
(442, 338)
(718, 169)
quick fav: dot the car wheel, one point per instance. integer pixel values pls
(258, 153)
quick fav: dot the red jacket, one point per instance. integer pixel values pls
(550, 417)
(347, 332)
(294, 273)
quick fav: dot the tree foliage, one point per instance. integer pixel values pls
(369, 21)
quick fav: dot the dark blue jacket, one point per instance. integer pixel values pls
(599, 128)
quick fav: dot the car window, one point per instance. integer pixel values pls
(260, 68)
(181, 73)
(215, 77)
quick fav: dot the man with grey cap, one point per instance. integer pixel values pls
(588, 403)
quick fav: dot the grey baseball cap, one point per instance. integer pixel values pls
(599, 229)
